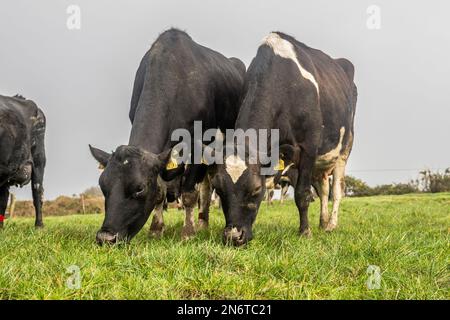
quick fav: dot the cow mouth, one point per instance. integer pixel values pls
(234, 236)
(109, 238)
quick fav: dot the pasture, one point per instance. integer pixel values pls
(407, 237)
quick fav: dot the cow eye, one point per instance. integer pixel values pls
(256, 191)
(252, 206)
(140, 192)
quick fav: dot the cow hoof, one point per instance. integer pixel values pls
(202, 224)
(156, 232)
(330, 227)
(188, 232)
(306, 233)
(323, 224)
(39, 225)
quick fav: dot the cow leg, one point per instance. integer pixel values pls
(189, 199)
(179, 203)
(204, 203)
(270, 193)
(4, 196)
(157, 226)
(37, 178)
(338, 191)
(284, 189)
(216, 201)
(323, 189)
(303, 192)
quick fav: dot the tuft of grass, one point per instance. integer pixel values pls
(407, 237)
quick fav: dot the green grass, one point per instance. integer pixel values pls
(406, 236)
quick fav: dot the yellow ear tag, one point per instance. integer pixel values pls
(172, 164)
(279, 166)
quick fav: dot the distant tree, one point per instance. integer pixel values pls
(355, 187)
(93, 192)
(435, 181)
(396, 188)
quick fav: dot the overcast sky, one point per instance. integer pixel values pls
(82, 79)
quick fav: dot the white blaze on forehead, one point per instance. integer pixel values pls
(235, 167)
(285, 49)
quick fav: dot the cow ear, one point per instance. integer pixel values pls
(164, 156)
(168, 158)
(101, 156)
(289, 154)
(169, 168)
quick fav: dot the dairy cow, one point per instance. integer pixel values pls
(178, 82)
(22, 154)
(310, 98)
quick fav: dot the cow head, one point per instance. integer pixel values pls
(241, 188)
(129, 183)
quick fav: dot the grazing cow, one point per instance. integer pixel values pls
(178, 82)
(22, 156)
(173, 193)
(286, 178)
(311, 99)
(270, 189)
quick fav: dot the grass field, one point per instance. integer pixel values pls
(407, 237)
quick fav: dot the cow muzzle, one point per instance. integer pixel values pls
(105, 237)
(235, 236)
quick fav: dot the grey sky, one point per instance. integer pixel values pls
(82, 79)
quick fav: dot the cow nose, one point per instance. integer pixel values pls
(106, 237)
(234, 236)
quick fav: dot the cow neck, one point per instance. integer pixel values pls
(149, 134)
(253, 121)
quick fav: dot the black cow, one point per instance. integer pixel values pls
(173, 193)
(311, 99)
(22, 155)
(178, 82)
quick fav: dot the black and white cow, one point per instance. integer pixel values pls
(286, 178)
(22, 150)
(178, 82)
(311, 98)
